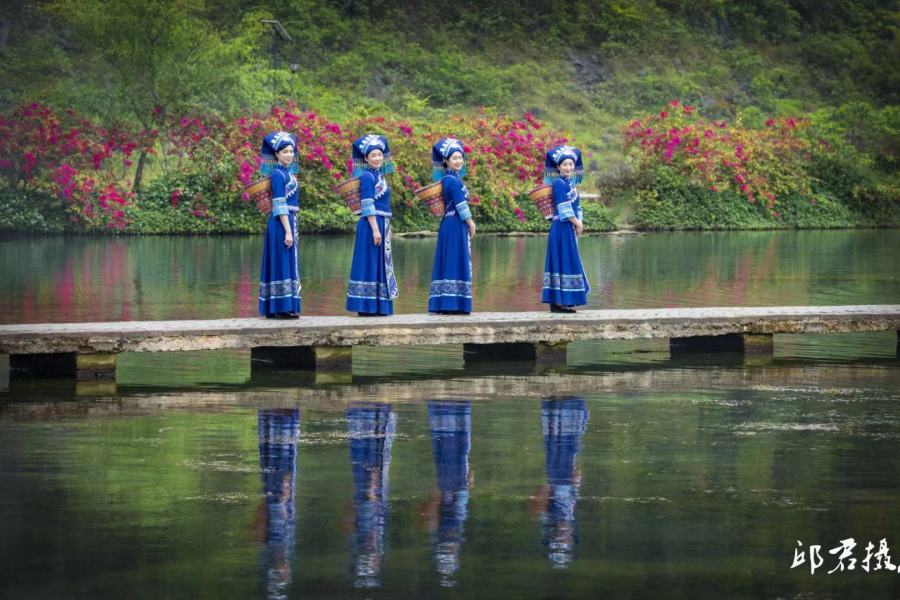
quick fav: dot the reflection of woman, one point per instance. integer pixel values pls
(451, 424)
(564, 421)
(372, 286)
(279, 433)
(451, 278)
(371, 428)
(565, 284)
(279, 280)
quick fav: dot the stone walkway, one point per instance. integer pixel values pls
(425, 329)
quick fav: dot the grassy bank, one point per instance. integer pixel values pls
(154, 214)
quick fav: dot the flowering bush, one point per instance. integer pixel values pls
(84, 165)
(68, 157)
(760, 164)
(505, 155)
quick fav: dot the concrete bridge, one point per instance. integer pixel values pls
(87, 351)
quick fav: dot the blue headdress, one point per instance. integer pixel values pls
(272, 143)
(366, 144)
(556, 156)
(442, 151)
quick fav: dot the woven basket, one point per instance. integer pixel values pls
(261, 192)
(543, 199)
(349, 193)
(433, 197)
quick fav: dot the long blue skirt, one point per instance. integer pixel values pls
(372, 286)
(279, 278)
(451, 278)
(565, 282)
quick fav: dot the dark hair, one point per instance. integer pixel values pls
(444, 160)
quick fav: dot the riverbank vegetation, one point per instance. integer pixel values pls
(145, 117)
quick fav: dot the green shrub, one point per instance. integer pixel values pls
(670, 203)
(31, 212)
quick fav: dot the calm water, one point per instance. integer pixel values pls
(626, 474)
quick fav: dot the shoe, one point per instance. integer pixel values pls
(364, 314)
(558, 308)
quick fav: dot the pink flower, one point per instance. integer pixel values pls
(519, 214)
(663, 114)
(770, 122)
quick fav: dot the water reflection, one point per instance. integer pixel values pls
(279, 433)
(564, 421)
(451, 426)
(372, 427)
(159, 278)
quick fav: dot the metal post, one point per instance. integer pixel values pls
(278, 33)
(274, 67)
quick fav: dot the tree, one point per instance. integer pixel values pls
(162, 57)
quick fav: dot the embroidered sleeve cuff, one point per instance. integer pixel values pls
(565, 210)
(279, 207)
(462, 209)
(368, 208)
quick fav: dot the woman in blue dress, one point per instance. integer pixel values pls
(372, 286)
(451, 278)
(279, 279)
(565, 283)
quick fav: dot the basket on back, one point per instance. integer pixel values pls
(349, 193)
(261, 192)
(433, 197)
(543, 199)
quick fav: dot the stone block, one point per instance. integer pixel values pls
(306, 358)
(539, 352)
(746, 343)
(82, 367)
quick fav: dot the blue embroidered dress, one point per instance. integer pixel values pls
(451, 278)
(279, 280)
(565, 282)
(373, 286)
(564, 422)
(451, 426)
